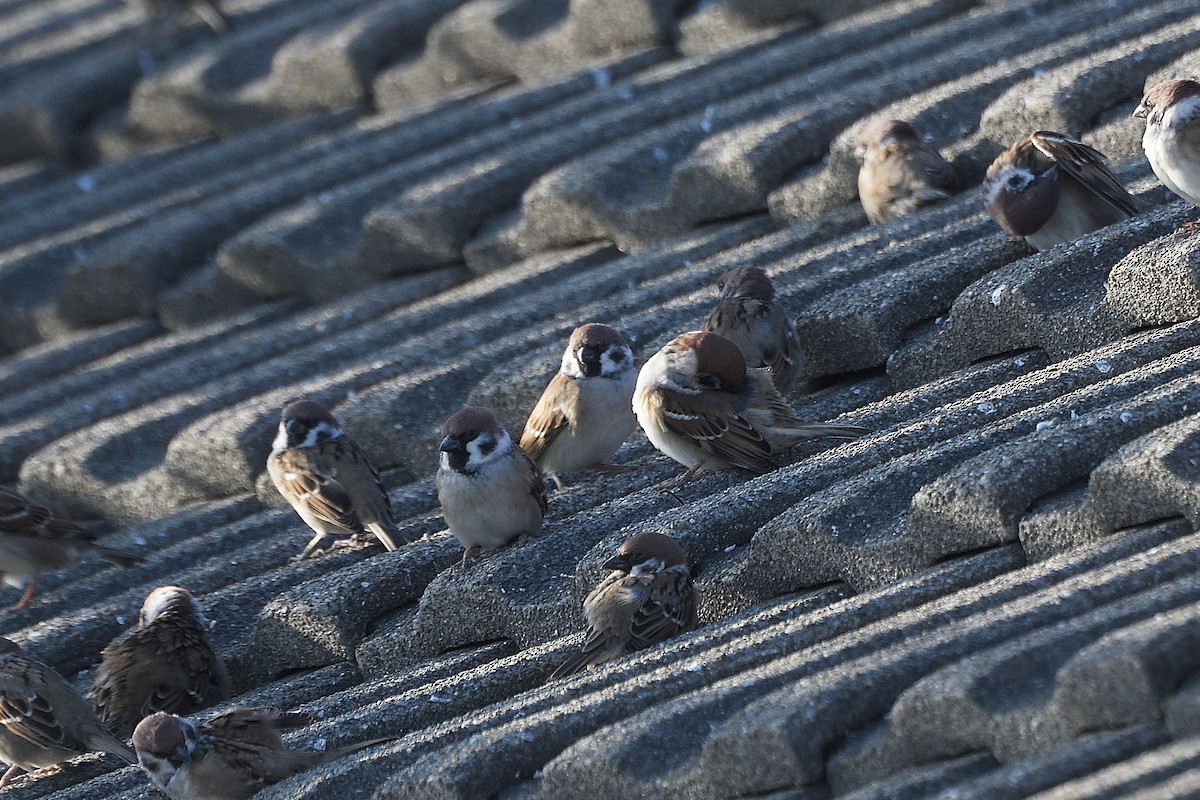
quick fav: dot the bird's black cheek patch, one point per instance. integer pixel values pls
(457, 459)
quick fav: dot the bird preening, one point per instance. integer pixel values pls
(1049, 189)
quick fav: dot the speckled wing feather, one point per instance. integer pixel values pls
(245, 742)
(638, 611)
(548, 419)
(669, 608)
(536, 487)
(764, 334)
(174, 661)
(27, 713)
(1086, 165)
(20, 517)
(912, 182)
(312, 477)
(711, 423)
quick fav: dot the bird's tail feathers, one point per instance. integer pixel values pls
(119, 557)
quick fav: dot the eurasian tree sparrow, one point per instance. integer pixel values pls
(229, 757)
(584, 415)
(43, 721)
(327, 478)
(1172, 138)
(700, 405)
(648, 598)
(164, 664)
(1050, 189)
(900, 173)
(747, 316)
(489, 488)
(33, 541)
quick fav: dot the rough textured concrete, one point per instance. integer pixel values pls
(398, 208)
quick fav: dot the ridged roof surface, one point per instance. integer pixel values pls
(398, 207)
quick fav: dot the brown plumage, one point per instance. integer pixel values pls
(164, 664)
(900, 173)
(328, 479)
(43, 721)
(585, 413)
(1172, 137)
(700, 405)
(1050, 189)
(33, 541)
(648, 598)
(747, 315)
(490, 490)
(229, 757)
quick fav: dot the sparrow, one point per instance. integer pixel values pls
(1050, 189)
(900, 174)
(33, 541)
(164, 664)
(327, 478)
(490, 490)
(1172, 138)
(700, 405)
(585, 414)
(43, 721)
(746, 316)
(207, 10)
(229, 757)
(646, 599)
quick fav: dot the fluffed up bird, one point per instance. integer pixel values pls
(327, 478)
(700, 405)
(900, 173)
(585, 413)
(490, 491)
(43, 721)
(747, 315)
(164, 664)
(1050, 189)
(229, 757)
(207, 10)
(646, 599)
(1172, 138)
(33, 541)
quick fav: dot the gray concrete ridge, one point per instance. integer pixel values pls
(400, 207)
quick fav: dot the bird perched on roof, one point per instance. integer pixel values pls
(699, 404)
(328, 479)
(164, 664)
(1050, 189)
(33, 541)
(647, 598)
(229, 757)
(585, 414)
(900, 173)
(43, 721)
(747, 315)
(207, 10)
(490, 491)
(1172, 138)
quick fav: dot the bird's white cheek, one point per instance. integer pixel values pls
(280, 444)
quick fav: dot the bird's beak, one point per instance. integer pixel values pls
(1141, 112)
(451, 444)
(618, 562)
